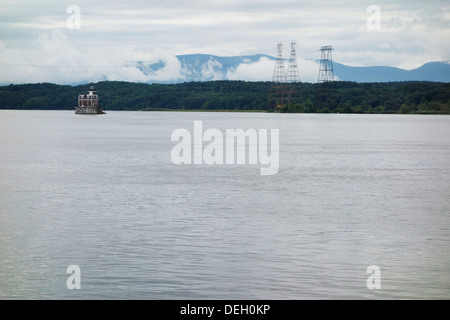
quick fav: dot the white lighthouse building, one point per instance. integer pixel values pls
(88, 103)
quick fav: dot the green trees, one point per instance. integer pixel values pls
(351, 97)
(40, 103)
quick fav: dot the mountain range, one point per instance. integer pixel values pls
(431, 71)
(259, 67)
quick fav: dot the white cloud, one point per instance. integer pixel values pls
(53, 58)
(261, 70)
(209, 71)
(308, 70)
(114, 32)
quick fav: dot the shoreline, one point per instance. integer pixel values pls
(240, 111)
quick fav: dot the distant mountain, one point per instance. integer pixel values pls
(432, 71)
(201, 67)
(197, 66)
(205, 67)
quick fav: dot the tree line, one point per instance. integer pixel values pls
(349, 97)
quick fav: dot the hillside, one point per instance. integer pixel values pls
(351, 97)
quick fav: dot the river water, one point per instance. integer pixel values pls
(102, 193)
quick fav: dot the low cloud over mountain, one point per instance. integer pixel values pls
(202, 67)
(59, 61)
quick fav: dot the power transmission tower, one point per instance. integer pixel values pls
(279, 93)
(325, 96)
(293, 77)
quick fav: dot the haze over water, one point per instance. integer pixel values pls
(101, 192)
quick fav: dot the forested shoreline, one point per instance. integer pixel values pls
(350, 97)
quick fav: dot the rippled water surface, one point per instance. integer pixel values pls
(101, 192)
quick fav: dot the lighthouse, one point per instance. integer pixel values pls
(88, 103)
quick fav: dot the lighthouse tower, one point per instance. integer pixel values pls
(88, 103)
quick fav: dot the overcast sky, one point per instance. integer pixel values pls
(36, 44)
